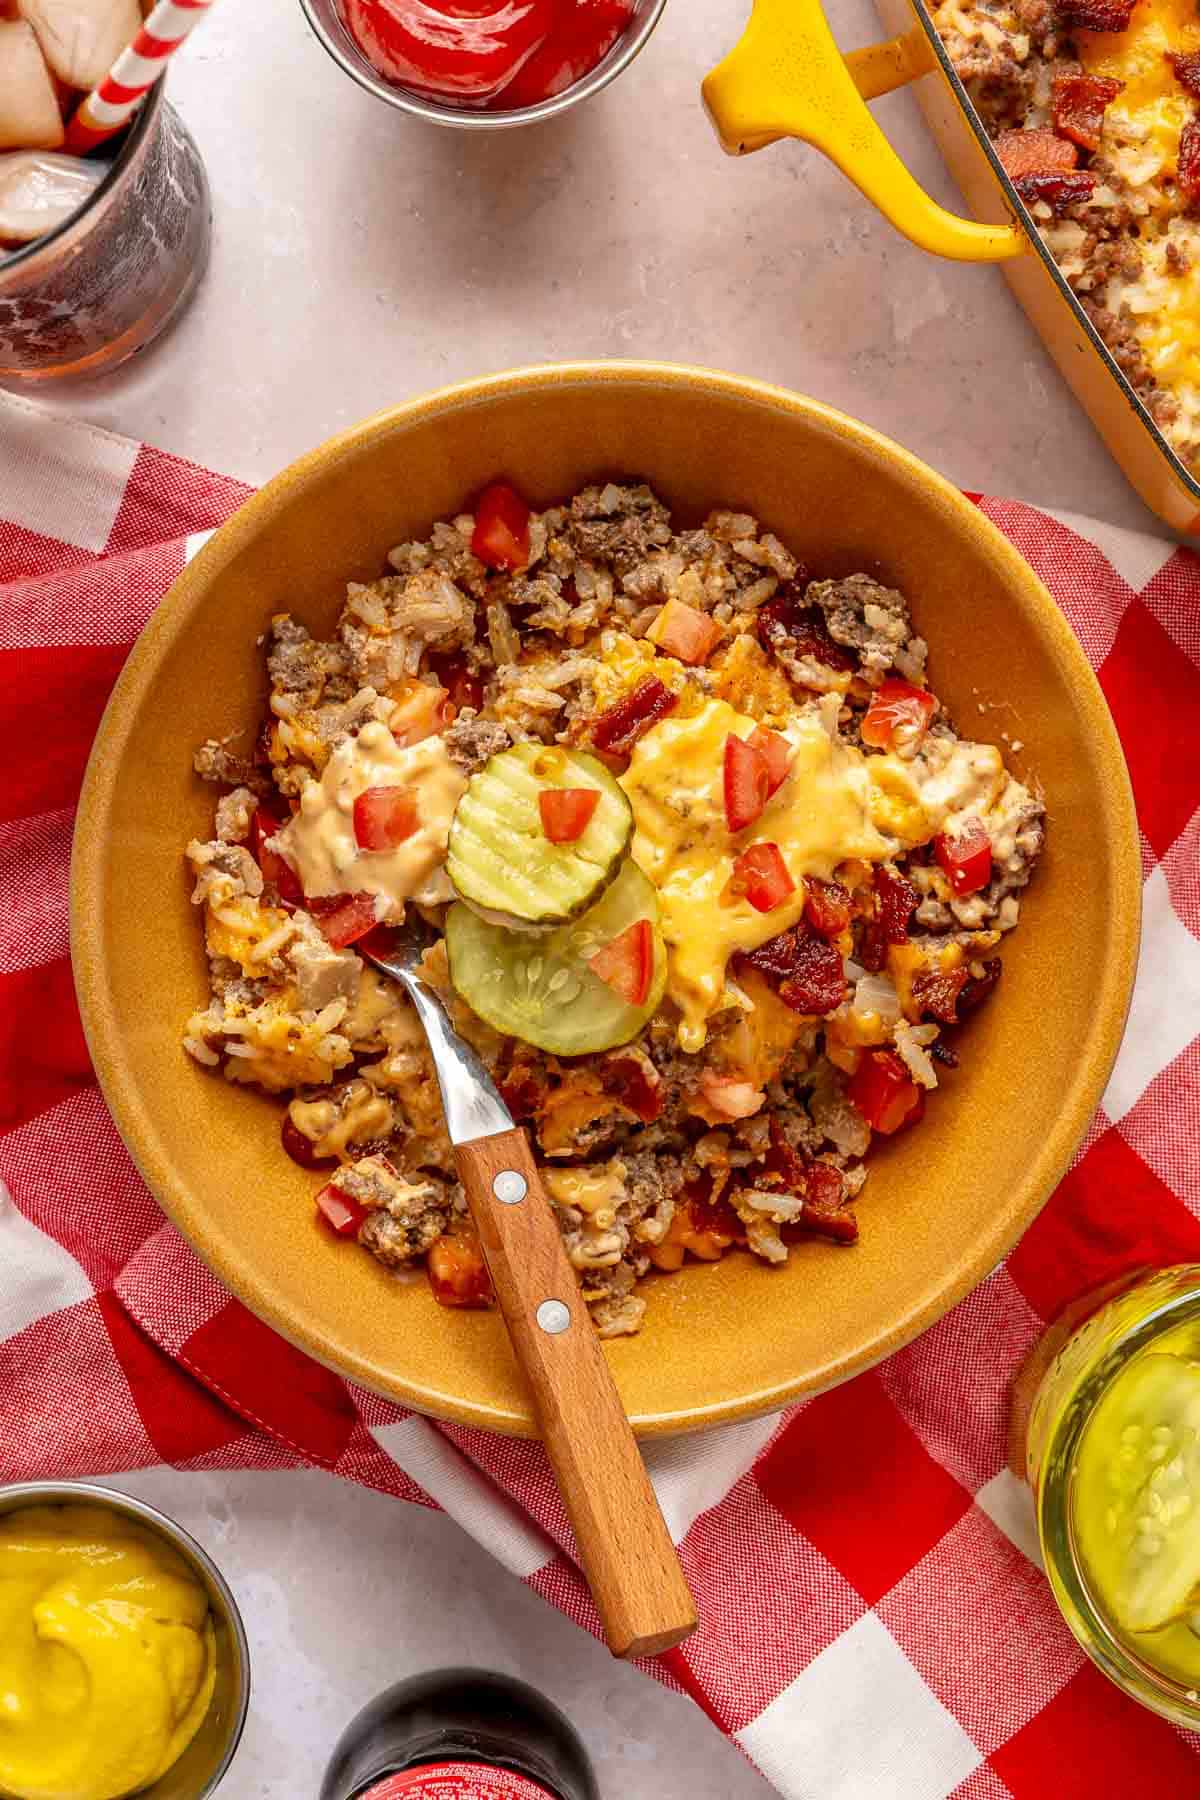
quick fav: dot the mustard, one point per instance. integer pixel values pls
(107, 1654)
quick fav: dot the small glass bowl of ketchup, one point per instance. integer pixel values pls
(483, 64)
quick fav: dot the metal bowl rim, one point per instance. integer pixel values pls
(353, 63)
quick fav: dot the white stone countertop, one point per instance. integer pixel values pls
(359, 258)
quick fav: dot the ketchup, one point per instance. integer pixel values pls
(494, 53)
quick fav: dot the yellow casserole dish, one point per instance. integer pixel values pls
(787, 78)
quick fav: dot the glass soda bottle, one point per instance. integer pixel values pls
(459, 1734)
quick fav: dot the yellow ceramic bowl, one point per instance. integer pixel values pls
(943, 1203)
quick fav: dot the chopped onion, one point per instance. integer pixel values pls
(877, 994)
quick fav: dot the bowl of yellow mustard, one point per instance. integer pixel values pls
(124, 1667)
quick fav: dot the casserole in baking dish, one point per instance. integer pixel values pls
(1118, 225)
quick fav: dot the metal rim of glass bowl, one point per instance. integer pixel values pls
(66, 1493)
(1161, 1693)
(324, 18)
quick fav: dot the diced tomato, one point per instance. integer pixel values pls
(566, 812)
(965, 858)
(778, 753)
(684, 632)
(344, 918)
(301, 1149)
(626, 963)
(501, 535)
(884, 1092)
(826, 906)
(1079, 103)
(746, 782)
(898, 713)
(617, 730)
(384, 817)
(339, 1211)
(421, 711)
(457, 1272)
(275, 868)
(761, 876)
(464, 688)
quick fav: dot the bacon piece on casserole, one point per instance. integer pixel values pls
(1079, 103)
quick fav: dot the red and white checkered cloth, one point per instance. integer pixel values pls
(875, 1624)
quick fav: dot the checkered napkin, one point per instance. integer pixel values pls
(875, 1622)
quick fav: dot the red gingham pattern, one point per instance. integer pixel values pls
(874, 1622)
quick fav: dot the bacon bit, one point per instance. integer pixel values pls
(1096, 15)
(1187, 70)
(826, 906)
(819, 984)
(786, 624)
(872, 947)
(1035, 152)
(714, 1218)
(820, 1187)
(809, 971)
(942, 1053)
(617, 730)
(1079, 105)
(301, 1149)
(1058, 191)
(1188, 174)
(523, 1093)
(936, 991)
(463, 688)
(457, 1272)
(625, 1078)
(976, 988)
(896, 901)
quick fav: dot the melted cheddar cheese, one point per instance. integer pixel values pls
(1152, 108)
(835, 804)
(1142, 128)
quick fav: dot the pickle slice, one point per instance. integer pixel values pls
(1137, 1493)
(541, 989)
(499, 857)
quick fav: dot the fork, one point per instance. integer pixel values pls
(630, 1563)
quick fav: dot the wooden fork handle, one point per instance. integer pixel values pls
(626, 1550)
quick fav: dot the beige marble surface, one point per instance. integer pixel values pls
(359, 258)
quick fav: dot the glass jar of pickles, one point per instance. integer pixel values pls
(1106, 1429)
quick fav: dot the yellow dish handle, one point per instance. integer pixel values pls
(787, 78)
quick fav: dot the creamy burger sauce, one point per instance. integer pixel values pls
(319, 840)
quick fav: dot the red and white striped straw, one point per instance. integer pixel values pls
(109, 105)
